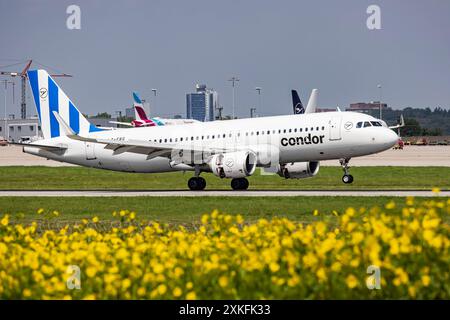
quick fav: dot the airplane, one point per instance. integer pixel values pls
(298, 106)
(142, 120)
(230, 149)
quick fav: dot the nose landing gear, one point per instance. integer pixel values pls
(346, 178)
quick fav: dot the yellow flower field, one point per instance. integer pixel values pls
(223, 257)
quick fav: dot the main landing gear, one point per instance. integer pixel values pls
(196, 183)
(239, 184)
(346, 178)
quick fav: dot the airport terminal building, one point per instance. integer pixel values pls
(16, 130)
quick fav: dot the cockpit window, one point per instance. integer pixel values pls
(376, 123)
(359, 124)
(367, 124)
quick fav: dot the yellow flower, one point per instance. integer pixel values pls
(162, 289)
(91, 272)
(223, 281)
(390, 205)
(426, 280)
(177, 292)
(95, 219)
(141, 291)
(5, 220)
(351, 281)
(435, 190)
(191, 296)
(274, 267)
(40, 211)
(321, 274)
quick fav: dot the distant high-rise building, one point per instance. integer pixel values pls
(200, 105)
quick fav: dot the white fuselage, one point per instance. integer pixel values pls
(299, 138)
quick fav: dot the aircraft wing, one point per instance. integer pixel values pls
(41, 146)
(122, 123)
(401, 124)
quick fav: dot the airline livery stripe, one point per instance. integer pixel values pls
(33, 76)
(74, 118)
(53, 106)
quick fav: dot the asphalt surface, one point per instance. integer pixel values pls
(220, 193)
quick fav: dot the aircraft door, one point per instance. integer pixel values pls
(90, 151)
(335, 128)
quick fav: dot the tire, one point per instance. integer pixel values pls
(202, 182)
(194, 184)
(236, 184)
(239, 184)
(244, 184)
(347, 178)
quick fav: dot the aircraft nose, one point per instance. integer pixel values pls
(391, 138)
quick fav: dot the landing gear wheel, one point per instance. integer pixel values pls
(196, 183)
(239, 184)
(347, 178)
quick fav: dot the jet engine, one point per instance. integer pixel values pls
(233, 164)
(298, 170)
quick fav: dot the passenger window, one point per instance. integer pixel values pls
(165, 140)
(300, 129)
(317, 128)
(284, 131)
(224, 135)
(306, 129)
(160, 140)
(181, 139)
(290, 130)
(323, 128)
(295, 130)
(268, 131)
(312, 129)
(367, 124)
(257, 133)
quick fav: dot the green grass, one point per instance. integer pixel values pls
(77, 178)
(186, 210)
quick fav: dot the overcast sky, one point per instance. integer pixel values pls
(277, 45)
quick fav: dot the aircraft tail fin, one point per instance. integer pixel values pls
(312, 103)
(49, 98)
(297, 103)
(139, 111)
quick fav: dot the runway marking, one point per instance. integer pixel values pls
(222, 193)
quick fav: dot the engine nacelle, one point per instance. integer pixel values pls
(299, 170)
(233, 164)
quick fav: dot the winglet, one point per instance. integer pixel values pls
(63, 125)
(68, 130)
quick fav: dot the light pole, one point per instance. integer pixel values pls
(381, 113)
(258, 89)
(154, 94)
(252, 112)
(233, 81)
(6, 124)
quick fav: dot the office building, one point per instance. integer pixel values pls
(201, 104)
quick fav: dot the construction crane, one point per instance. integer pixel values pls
(23, 75)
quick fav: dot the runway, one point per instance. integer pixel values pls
(221, 193)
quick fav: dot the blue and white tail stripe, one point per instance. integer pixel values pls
(49, 97)
(136, 98)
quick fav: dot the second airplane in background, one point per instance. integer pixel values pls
(141, 119)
